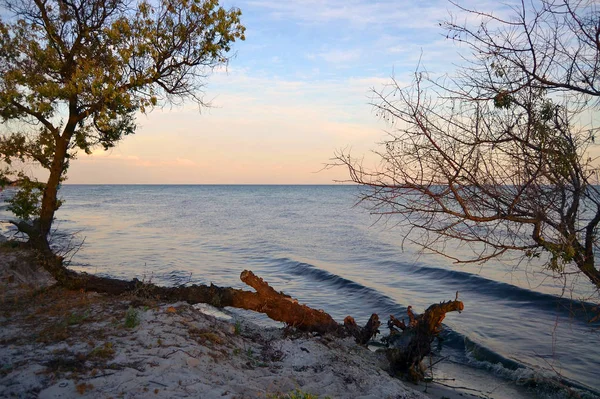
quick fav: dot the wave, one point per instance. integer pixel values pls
(367, 294)
(496, 289)
(544, 382)
(464, 280)
(469, 352)
(459, 280)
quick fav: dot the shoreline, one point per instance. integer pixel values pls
(70, 344)
(59, 343)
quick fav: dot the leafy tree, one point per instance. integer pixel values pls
(498, 158)
(74, 73)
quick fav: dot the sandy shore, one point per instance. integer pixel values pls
(56, 343)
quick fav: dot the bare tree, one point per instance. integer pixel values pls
(497, 157)
(552, 44)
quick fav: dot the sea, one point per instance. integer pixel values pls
(523, 333)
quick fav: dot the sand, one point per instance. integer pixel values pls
(56, 343)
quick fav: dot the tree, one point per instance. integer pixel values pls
(497, 157)
(74, 73)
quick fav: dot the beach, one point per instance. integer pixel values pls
(57, 343)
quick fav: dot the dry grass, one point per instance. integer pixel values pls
(203, 336)
(54, 314)
(83, 388)
(105, 352)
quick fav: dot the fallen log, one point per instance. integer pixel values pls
(277, 305)
(407, 344)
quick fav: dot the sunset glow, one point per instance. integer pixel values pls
(297, 90)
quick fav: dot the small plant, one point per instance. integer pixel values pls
(77, 318)
(144, 289)
(132, 318)
(105, 351)
(9, 244)
(211, 337)
(204, 336)
(237, 328)
(54, 333)
(25, 203)
(297, 394)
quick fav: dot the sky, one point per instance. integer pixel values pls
(296, 91)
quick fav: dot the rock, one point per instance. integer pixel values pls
(193, 362)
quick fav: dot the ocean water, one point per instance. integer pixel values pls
(520, 325)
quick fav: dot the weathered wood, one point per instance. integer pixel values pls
(281, 307)
(277, 305)
(362, 334)
(408, 346)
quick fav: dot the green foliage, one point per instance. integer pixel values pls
(237, 327)
(108, 61)
(4, 180)
(503, 100)
(25, 203)
(73, 75)
(21, 147)
(132, 318)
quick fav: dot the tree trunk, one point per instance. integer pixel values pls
(406, 348)
(277, 305)
(588, 268)
(38, 235)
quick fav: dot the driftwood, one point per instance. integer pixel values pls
(407, 344)
(277, 305)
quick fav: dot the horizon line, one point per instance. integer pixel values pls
(209, 184)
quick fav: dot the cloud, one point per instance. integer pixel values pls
(340, 56)
(382, 14)
(360, 14)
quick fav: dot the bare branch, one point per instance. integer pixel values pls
(493, 157)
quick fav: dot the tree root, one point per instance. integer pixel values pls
(408, 346)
